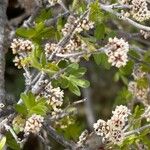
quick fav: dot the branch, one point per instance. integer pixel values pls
(65, 39)
(50, 22)
(28, 23)
(58, 138)
(3, 21)
(137, 25)
(137, 130)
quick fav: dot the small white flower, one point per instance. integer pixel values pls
(53, 95)
(116, 51)
(121, 111)
(33, 124)
(140, 10)
(101, 128)
(84, 24)
(145, 34)
(19, 46)
(116, 136)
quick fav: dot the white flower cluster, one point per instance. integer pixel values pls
(138, 92)
(18, 61)
(74, 44)
(145, 34)
(33, 124)
(112, 130)
(82, 138)
(139, 9)
(49, 48)
(84, 24)
(116, 51)
(53, 2)
(21, 48)
(146, 114)
(54, 96)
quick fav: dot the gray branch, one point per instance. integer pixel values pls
(58, 138)
(3, 20)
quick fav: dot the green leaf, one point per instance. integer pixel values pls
(99, 32)
(63, 64)
(138, 111)
(43, 60)
(123, 97)
(60, 24)
(28, 99)
(26, 32)
(2, 143)
(128, 69)
(101, 59)
(146, 59)
(44, 15)
(74, 89)
(78, 73)
(31, 105)
(39, 108)
(34, 60)
(134, 54)
(73, 66)
(96, 13)
(142, 83)
(11, 142)
(21, 109)
(64, 82)
(79, 6)
(80, 82)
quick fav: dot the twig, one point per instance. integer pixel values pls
(88, 107)
(36, 88)
(7, 127)
(79, 101)
(65, 39)
(28, 23)
(137, 25)
(58, 138)
(52, 21)
(137, 130)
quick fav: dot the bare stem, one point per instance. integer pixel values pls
(58, 138)
(137, 130)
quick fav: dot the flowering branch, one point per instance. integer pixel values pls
(126, 19)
